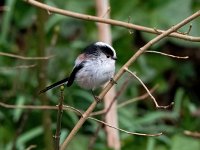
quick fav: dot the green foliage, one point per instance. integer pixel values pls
(184, 143)
(178, 79)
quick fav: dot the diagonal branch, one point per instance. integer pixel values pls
(121, 72)
(110, 21)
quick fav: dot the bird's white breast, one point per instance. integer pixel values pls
(95, 73)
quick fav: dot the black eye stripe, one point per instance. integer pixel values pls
(107, 51)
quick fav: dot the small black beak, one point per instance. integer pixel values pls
(114, 58)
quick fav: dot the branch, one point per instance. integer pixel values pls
(18, 67)
(25, 58)
(154, 100)
(110, 21)
(122, 104)
(121, 72)
(192, 134)
(59, 119)
(31, 147)
(142, 97)
(78, 112)
(122, 130)
(43, 107)
(169, 55)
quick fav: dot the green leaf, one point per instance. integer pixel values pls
(26, 137)
(7, 20)
(151, 143)
(18, 112)
(178, 101)
(79, 142)
(181, 142)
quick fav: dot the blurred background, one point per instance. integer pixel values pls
(30, 32)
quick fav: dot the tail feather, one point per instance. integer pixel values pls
(61, 82)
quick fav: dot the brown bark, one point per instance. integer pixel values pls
(104, 31)
(46, 119)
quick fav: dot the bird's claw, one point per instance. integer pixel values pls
(113, 81)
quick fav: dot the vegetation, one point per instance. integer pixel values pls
(30, 32)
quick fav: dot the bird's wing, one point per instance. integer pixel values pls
(74, 72)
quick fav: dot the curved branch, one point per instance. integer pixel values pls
(110, 21)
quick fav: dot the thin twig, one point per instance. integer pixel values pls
(25, 58)
(130, 30)
(190, 28)
(192, 134)
(142, 97)
(107, 12)
(169, 55)
(109, 21)
(43, 107)
(122, 104)
(187, 32)
(31, 147)
(122, 130)
(78, 112)
(59, 119)
(128, 132)
(102, 122)
(18, 67)
(154, 100)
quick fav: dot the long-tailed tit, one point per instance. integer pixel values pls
(93, 68)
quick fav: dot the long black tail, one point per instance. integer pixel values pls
(54, 85)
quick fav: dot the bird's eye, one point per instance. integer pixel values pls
(108, 56)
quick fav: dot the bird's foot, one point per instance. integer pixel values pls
(96, 97)
(113, 81)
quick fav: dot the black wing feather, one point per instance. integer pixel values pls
(73, 74)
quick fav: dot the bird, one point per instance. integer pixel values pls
(93, 68)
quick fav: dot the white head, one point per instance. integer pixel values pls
(106, 49)
(98, 48)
